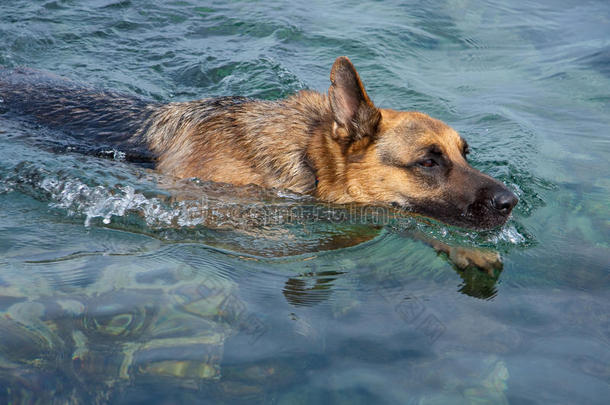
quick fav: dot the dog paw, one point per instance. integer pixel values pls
(486, 260)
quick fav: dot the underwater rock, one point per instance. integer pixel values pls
(35, 387)
(25, 345)
(186, 358)
(119, 315)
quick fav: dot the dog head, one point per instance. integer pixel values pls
(409, 159)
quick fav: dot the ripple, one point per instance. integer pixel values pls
(96, 311)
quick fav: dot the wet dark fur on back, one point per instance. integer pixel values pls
(99, 117)
(338, 146)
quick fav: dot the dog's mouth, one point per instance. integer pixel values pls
(486, 212)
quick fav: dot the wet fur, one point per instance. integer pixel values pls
(338, 146)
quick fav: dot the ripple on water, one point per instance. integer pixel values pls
(93, 310)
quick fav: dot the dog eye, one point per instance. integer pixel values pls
(428, 163)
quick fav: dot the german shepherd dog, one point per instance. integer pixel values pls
(338, 147)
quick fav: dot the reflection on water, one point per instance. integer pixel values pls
(478, 284)
(309, 289)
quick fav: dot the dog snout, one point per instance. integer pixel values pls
(504, 201)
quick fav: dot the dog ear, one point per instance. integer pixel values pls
(354, 113)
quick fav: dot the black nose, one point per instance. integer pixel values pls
(504, 201)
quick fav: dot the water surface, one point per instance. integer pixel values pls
(114, 288)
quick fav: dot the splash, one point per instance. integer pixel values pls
(268, 222)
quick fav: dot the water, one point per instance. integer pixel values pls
(118, 285)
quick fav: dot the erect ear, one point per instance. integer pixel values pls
(355, 114)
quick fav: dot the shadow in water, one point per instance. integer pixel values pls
(310, 288)
(479, 284)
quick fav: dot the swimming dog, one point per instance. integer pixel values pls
(338, 147)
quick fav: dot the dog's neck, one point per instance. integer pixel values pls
(313, 163)
(329, 165)
(324, 156)
(325, 159)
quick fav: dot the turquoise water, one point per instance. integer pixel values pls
(114, 288)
